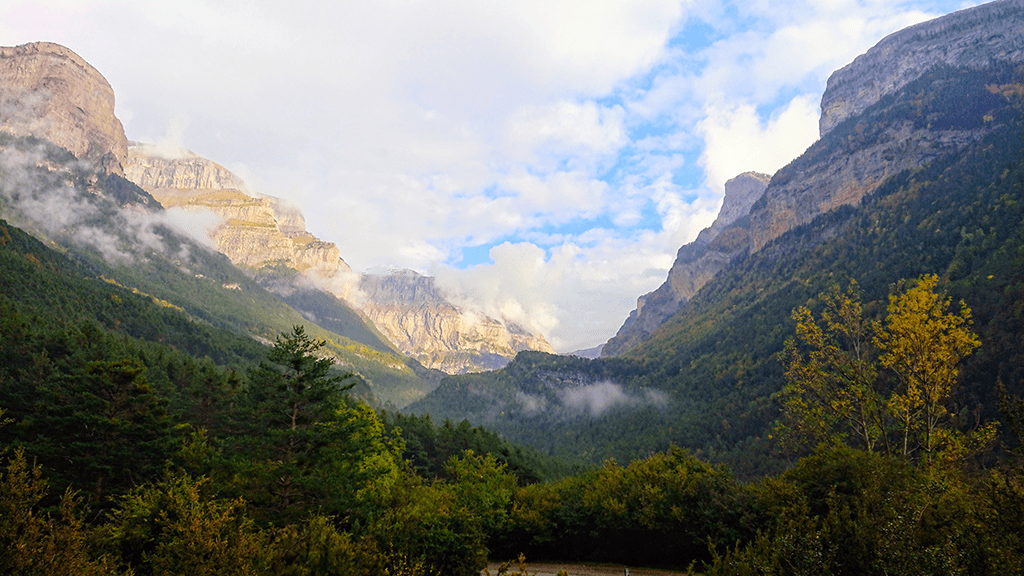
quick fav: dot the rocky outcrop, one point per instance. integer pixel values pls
(51, 93)
(835, 172)
(868, 126)
(255, 232)
(696, 263)
(971, 38)
(419, 319)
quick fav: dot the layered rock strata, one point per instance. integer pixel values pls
(51, 93)
(843, 169)
(696, 263)
(419, 319)
(255, 231)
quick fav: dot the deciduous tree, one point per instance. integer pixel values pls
(879, 385)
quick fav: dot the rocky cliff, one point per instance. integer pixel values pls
(49, 92)
(696, 263)
(868, 135)
(971, 38)
(418, 318)
(255, 232)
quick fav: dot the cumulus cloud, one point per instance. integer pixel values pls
(737, 140)
(516, 288)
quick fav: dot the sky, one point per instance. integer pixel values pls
(543, 159)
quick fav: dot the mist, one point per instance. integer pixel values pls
(592, 400)
(57, 197)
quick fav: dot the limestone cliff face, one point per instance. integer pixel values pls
(49, 92)
(256, 231)
(418, 318)
(696, 263)
(970, 38)
(852, 160)
(829, 176)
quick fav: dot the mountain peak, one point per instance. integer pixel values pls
(696, 263)
(49, 92)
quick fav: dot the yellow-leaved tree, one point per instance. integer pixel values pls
(881, 386)
(923, 344)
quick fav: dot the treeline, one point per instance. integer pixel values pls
(162, 464)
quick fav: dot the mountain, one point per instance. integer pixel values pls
(253, 231)
(420, 319)
(120, 234)
(52, 93)
(925, 179)
(403, 310)
(696, 263)
(826, 178)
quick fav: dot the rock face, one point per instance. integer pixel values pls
(418, 318)
(49, 92)
(833, 173)
(696, 263)
(255, 232)
(859, 149)
(970, 38)
(869, 132)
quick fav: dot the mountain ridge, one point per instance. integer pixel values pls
(267, 236)
(836, 173)
(696, 263)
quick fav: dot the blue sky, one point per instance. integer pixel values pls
(544, 160)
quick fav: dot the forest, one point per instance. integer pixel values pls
(127, 456)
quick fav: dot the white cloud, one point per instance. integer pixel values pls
(596, 399)
(737, 140)
(197, 224)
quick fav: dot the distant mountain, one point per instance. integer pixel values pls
(253, 231)
(592, 353)
(420, 319)
(696, 263)
(927, 178)
(402, 310)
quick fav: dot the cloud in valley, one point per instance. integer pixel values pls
(544, 159)
(594, 400)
